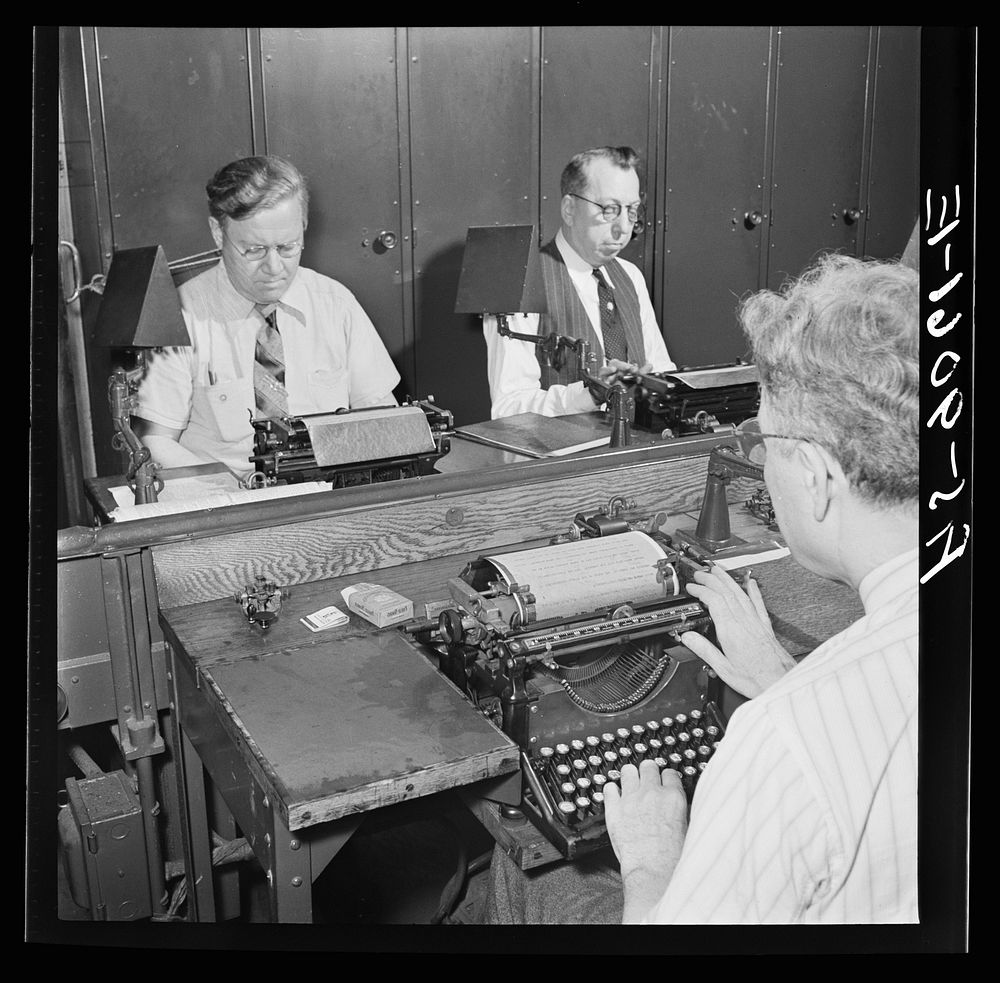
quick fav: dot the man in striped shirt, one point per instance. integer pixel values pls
(808, 811)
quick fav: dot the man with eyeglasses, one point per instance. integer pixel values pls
(591, 294)
(807, 812)
(268, 336)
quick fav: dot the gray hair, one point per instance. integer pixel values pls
(246, 186)
(574, 175)
(838, 355)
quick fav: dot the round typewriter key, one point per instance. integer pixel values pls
(579, 766)
(568, 789)
(704, 752)
(545, 753)
(675, 760)
(614, 775)
(690, 756)
(669, 742)
(595, 762)
(607, 739)
(712, 732)
(688, 776)
(611, 757)
(563, 771)
(625, 755)
(562, 751)
(655, 745)
(598, 780)
(653, 726)
(640, 750)
(702, 765)
(582, 807)
(638, 732)
(695, 716)
(583, 784)
(681, 719)
(660, 763)
(577, 745)
(593, 743)
(597, 802)
(668, 723)
(697, 733)
(683, 739)
(623, 734)
(567, 809)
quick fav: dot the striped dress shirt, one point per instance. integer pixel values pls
(807, 813)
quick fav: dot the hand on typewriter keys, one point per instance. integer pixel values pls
(647, 822)
(615, 369)
(751, 657)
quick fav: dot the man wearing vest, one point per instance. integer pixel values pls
(591, 295)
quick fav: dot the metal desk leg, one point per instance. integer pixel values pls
(197, 836)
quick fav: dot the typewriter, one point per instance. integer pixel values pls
(706, 399)
(351, 447)
(582, 667)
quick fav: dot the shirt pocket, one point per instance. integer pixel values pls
(229, 405)
(330, 389)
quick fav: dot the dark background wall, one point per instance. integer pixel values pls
(761, 147)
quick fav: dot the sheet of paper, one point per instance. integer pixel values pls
(752, 559)
(588, 575)
(215, 500)
(727, 375)
(369, 435)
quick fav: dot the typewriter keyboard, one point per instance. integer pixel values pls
(572, 775)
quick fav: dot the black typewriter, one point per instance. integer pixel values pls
(586, 693)
(351, 447)
(705, 399)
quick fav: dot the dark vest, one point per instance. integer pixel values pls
(566, 315)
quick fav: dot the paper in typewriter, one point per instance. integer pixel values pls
(724, 375)
(368, 435)
(591, 574)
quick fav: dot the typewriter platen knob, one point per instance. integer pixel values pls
(450, 626)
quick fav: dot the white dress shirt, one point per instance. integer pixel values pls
(512, 365)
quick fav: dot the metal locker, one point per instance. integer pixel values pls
(820, 107)
(330, 107)
(578, 114)
(471, 141)
(176, 106)
(894, 181)
(714, 205)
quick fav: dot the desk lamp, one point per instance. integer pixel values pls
(139, 309)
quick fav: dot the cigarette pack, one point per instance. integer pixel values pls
(377, 604)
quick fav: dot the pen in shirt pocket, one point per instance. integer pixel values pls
(211, 376)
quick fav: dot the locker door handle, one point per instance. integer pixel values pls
(851, 215)
(387, 239)
(752, 219)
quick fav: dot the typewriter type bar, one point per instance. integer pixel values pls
(571, 813)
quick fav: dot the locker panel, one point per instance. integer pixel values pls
(894, 185)
(595, 93)
(330, 107)
(471, 117)
(176, 107)
(819, 133)
(716, 124)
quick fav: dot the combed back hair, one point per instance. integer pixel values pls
(837, 351)
(244, 187)
(574, 175)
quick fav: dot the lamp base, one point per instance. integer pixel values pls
(706, 547)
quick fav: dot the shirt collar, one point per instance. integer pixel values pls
(886, 582)
(234, 306)
(575, 263)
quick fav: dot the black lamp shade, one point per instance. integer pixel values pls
(140, 307)
(501, 272)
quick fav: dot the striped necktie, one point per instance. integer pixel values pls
(615, 345)
(269, 367)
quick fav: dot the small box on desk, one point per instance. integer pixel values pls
(377, 604)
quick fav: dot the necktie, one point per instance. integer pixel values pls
(269, 367)
(615, 345)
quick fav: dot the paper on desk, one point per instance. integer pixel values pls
(214, 500)
(587, 575)
(752, 559)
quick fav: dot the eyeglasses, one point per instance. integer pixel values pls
(752, 441)
(286, 250)
(636, 213)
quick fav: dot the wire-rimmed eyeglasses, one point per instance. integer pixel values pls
(286, 250)
(752, 440)
(636, 213)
